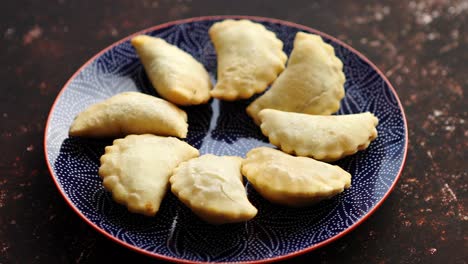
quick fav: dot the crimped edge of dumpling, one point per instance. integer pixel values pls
(120, 193)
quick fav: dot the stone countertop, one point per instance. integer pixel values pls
(421, 46)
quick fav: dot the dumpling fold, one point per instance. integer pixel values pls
(250, 57)
(211, 186)
(136, 169)
(130, 113)
(175, 74)
(312, 83)
(293, 181)
(326, 138)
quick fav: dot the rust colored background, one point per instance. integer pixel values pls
(421, 46)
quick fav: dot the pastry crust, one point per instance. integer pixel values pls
(312, 83)
(130, 113)
(174, 73)
(326, 138)
(212, 188)
(250, 57)
(293, 181)
(136, 169)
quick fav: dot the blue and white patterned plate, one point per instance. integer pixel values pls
(222, 128)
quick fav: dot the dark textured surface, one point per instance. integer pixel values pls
(420, 45)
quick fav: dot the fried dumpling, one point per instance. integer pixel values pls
(312, 83)
(130, 113)
(326, 138)
(211, 186)
(136, 169)
(175, 74)
(250, 57)
(293, 181)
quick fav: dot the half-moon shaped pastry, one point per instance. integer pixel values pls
(130, 113)
(175, 74)
(136, 169)
(326, 138)
(212, 188)
(250, 57)
(312, 83)
(293, 181)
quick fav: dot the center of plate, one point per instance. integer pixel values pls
(223, 128)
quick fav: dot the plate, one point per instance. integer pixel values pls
(222, 128)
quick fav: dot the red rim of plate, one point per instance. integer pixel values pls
(255, 18)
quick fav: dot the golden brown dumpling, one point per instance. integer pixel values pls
(130, 113)
(312, 83)
(250, 57)
(293, 181)
(326, 138)
(136, 169)
(174, 73)
(212, 188)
